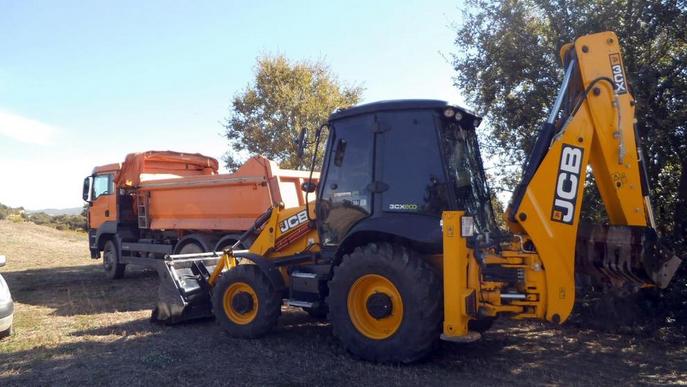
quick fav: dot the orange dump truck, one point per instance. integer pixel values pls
(158, 203)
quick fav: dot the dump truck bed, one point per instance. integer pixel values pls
(219, 202)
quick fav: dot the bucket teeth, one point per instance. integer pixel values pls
(622, 255)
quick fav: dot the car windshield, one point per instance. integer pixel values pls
(466, 173)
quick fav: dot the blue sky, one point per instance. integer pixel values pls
(85, 83)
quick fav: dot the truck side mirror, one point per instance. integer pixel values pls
(86, 188)
(300, 143)
(309, 186)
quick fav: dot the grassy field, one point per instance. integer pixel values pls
(75, 327)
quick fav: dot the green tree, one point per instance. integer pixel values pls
(508, 66)
(285, 97)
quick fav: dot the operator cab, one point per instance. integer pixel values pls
(392, 167)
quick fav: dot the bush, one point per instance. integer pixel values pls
(40, 218)
(60, 222)
(6, 211)
(15, 218)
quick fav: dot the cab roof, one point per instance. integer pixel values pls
(398, 104)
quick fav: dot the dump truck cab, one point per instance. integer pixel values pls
(392, 167)
(99, 193)
(100, 188)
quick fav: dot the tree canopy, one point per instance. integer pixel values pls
(285, 97)
(507, 65)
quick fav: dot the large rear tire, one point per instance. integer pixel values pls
(385, 304)
(245, 303)
(113, 269)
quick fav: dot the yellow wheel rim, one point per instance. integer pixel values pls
(240, 289)
(377, 327)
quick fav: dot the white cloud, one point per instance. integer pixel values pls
(48, 182)
(25, 129)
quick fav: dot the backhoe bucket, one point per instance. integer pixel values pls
(184, 293)
(621, 255)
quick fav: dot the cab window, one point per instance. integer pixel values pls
(411, 164)
(102, 185)
(345, 197)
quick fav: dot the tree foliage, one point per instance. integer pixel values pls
(285, 97)
(508, 66)
(10, 213)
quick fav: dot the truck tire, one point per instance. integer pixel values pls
(113, 269)
(191, 248)
(385, 304)
(226, 242)
(245, 303)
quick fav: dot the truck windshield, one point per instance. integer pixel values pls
(466, 174)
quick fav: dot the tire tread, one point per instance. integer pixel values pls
(425, 288)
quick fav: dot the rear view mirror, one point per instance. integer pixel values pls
(309, 186)
(300, 143)
(3, 260)
(86, 188)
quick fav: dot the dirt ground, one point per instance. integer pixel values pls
(75, 327)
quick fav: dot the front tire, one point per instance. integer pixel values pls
(385, 304)
(245, 303)
(113, 269)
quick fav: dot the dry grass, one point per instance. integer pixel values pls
(74, 327)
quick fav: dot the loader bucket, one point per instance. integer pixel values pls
(184, 293)
(621, 255)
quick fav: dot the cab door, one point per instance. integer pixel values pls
(103, 206)
(345, 195)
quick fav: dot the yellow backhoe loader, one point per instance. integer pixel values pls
(400, 248)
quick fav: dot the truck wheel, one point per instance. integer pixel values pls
(191, 248)
(245, 303)
(385, 304)
(227, 243)
(113, 269)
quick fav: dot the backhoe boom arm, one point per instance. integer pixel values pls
(592, 123)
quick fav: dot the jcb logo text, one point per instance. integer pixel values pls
(293, 221)
(567, 182)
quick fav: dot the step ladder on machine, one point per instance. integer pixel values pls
(142, 206)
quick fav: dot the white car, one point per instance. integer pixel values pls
(6, 305)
